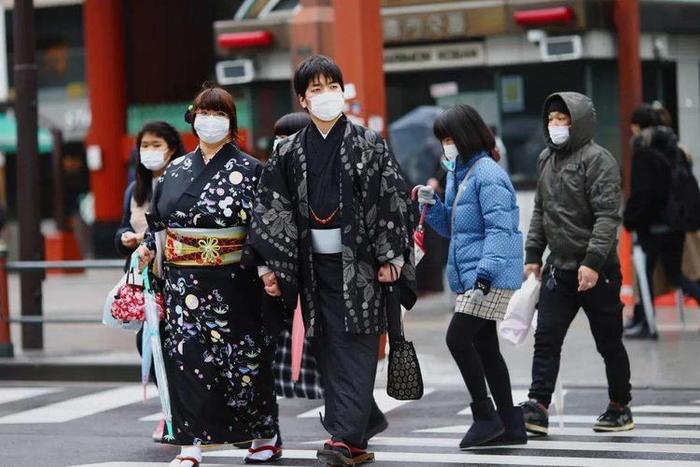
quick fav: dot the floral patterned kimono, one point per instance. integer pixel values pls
(217, 349)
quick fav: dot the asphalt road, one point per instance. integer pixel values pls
(64, 424)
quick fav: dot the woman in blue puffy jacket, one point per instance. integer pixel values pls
(480, 216)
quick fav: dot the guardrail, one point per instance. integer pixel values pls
(8, 267)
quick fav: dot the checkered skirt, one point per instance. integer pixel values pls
(493, 307)
(309, 384)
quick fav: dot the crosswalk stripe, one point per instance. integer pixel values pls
(156, 417)
(694, 421)
(156, 464)
(571, 431)
(79, 407)
(688, 409)
(545, 445)
(18, 394)
(479, 459)
(519, 395)
(385, 403)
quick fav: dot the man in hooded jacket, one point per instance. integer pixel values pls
(576, 215)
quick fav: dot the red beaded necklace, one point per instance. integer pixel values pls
(325, 220)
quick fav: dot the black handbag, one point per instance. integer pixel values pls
(404, 378)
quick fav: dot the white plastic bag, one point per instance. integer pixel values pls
(521, 309)
(107, 318)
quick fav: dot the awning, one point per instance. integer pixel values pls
(8, 136)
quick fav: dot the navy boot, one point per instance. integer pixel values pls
(515, 429)
(487, 425)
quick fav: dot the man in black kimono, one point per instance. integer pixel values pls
(332, 223)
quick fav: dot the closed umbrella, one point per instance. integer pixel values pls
(419, 234)
(153, 331)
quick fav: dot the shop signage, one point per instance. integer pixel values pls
(435, 22)
(435, 56)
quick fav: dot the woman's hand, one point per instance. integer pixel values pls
(145, 256)
(426, 195)
(130, 240)
(271, 286)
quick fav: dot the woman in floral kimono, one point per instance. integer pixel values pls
(217, 347)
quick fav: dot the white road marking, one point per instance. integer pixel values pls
(694, 421)
(155, 464)
(18, 394)
(479, 459)
(519, 395)
(570, 431)
(156, 417)
(79, 407)
(385, 403)
(545, 444)
(686, 409)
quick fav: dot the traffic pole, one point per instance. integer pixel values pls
(28, 181)
(6, 347)
(629, 70)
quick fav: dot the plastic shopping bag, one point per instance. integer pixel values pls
(111, 321)
(521, 309)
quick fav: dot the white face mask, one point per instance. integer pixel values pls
(558, 134)
(451, 154)
(153, 159)
(211, 129)
(327, 106)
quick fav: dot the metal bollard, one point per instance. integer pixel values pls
(6, 347)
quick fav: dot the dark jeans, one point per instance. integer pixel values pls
(348, 361)
(473, 343)
(558, 305)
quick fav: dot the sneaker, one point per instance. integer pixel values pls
(536, 417)
(615, 419)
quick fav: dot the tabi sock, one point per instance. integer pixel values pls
(262, 455)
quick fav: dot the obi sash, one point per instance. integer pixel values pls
(204, 247)
(326, 241)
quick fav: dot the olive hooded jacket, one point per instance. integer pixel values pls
(579, 195)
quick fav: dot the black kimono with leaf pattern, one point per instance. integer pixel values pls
(377, 222)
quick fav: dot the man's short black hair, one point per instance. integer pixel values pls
(557, 104)
(312, 68)
(291, 123)
(645, 116)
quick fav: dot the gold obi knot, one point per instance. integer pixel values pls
(204, 247)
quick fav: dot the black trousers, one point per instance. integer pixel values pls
(558, 305)
(473, 343)
(348, 361)
(668, 249)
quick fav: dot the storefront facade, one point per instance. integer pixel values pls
(483, 53)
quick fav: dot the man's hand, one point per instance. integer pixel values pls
(130, 240)
(388, 274)
(587, 278)
(145, 256)
(271, 286)
(535, 269)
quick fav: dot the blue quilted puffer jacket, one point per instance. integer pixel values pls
(483, 231)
